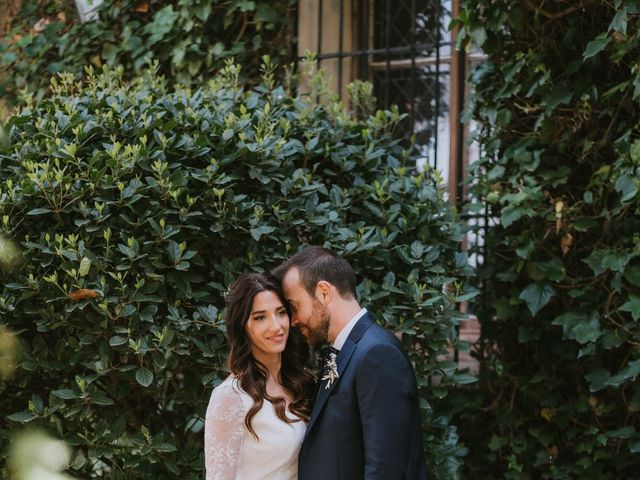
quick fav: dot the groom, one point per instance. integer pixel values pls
(365, 423)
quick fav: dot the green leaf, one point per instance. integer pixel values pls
(632, 274)
(537, 296)
(619, 22)
(595, 261)
(634, 152)
(579, 326)
(85, 266)
(478, 35)
(110, 53)
(559, 96)
(256, 233)
(227, 134)
(440, 392)
(244, 5)
(39, 211)
(623, 432)
(266, 13)
(588, 331)
(497, 442)
(173, 249)
(67, 394)
(144, 376)
(22, 417)
(99, 398)
(596, 46)
(202, 10)
(510, 214)
(389, 280)
(179, 52)
(128, 310)
(552, 270)
(629, 373)
(117, 340)
(627, 187)
(632, 306)
(464, 379)
(598, 379)
(417, 249)
(496, 173)
(611, 339)
(209, 313)
(165, 447)
(162, 24)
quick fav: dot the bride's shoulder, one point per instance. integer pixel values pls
(229, 388)
(228, 397)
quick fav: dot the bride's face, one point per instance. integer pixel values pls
(268, 325)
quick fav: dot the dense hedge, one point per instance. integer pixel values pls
(136, 206)
(189, 38)
(557, 103)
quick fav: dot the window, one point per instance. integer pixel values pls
(405, 49)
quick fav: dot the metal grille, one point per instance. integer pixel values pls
(404, 48)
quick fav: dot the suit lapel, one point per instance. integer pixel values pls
(342, 361)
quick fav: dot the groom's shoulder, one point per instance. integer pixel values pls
(377, 334)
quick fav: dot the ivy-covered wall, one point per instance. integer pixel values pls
(190, 39)
(557, 102)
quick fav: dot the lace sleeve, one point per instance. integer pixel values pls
(223, 433)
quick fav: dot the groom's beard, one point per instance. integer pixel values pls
(317, 329)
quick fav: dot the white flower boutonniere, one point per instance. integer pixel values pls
(330, 370)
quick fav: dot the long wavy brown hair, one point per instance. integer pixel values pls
(252, 374)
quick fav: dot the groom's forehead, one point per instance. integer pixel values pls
(291, 279)
(294, 289)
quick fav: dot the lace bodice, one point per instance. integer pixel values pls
(233, 453)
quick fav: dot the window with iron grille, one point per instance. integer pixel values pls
(405, 49)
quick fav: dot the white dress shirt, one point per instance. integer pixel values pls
(338, 343)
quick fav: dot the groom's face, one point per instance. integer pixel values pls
(307, 313)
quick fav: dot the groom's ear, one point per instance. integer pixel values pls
(323, 291)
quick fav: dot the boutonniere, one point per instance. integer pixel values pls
(330, 373)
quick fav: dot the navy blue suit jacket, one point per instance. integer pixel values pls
(366, 425)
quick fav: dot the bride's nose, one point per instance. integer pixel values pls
(274, 323)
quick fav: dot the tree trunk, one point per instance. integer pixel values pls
(9, 9)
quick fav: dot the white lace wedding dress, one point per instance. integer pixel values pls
(233, 453)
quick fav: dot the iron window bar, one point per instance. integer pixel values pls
(407, 63)
(382, 51)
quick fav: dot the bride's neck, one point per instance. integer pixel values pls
(273, 363)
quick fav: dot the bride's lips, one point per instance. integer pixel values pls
(277, 338)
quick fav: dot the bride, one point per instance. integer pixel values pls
(245, 437)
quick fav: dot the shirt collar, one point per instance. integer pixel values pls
(338, 343)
